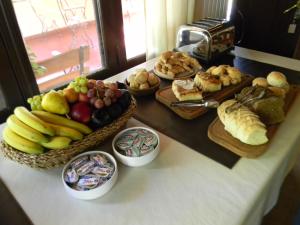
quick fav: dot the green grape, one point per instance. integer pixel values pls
(84, 90)
(77, 79)
(40, 107)
(77, 89)
(35, 102)
(72, 84)
(29, 100)
(36, 98)
(83, 82)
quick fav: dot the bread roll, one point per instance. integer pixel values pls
(276, 79)
(144, 86)
(152, 79)
(141, 77)
(134, 85)
(243, 124)
(131, 78)
(286, 87)
(260, 81)
(280, 92)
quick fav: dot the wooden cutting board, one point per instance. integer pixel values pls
(219, 135)
(166, 97)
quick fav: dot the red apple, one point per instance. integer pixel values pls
(81, 112)
(83, 97)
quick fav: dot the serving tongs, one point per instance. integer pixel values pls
(249, 97)
(196, 103)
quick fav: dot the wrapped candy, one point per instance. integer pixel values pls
(136, 142)
(86, 173)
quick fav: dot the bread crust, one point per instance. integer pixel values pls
(242, 124)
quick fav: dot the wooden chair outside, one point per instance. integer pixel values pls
(74, 58)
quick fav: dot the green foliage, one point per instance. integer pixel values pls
(37, 69)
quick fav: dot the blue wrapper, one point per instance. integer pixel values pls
(71, 176)
(79, 162)
(88, 181)
(86, 168)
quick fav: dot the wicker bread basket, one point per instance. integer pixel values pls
(56, 158)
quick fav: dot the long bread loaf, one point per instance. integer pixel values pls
(243, 124)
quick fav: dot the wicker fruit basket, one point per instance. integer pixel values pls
(56, 158)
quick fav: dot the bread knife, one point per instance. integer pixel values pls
(197, 103)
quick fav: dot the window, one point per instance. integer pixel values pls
(134, 27)
(61, 39)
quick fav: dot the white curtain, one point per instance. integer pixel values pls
(163, 18)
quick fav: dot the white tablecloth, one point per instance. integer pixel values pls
(180, 187)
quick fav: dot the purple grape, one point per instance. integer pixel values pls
(109, 93)
(114, 99)
(100, 84)
(99, 104)
(90, 85)
(100, 93)
(91, 93)
(93, 100)
(107, 101)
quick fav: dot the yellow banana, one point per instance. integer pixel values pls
(21, 143)
(66, 132)
(59, 120)
(57, 142)
(33, 121)
(24, 130)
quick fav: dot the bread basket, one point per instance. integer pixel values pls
(138, 92)
(56, 158)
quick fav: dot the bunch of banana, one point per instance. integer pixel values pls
(31, 132)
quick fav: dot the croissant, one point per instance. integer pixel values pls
(242, 124)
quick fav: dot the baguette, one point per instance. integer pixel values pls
(243, 124)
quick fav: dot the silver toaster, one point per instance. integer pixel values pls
(206, 39)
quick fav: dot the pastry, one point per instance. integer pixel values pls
(186, 90)
(207, 82)
(227, 74)
(210, 69)
(277, 79)
(260, 81)
(234, 74)
(242, 124)
(222, 69)
(174, 63)
(225, 79)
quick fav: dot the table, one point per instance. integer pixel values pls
(180, 187)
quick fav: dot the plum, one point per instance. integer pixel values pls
(115, 110)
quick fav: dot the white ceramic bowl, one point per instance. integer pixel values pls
(98, 191)
(136, 161)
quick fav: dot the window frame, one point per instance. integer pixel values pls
(109, 20)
